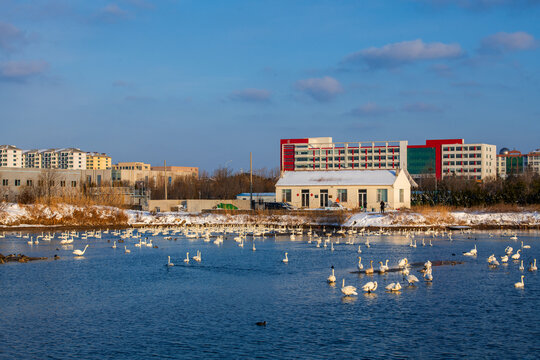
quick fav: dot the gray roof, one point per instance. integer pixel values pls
(337, 177)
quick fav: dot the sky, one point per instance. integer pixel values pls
(204, 83)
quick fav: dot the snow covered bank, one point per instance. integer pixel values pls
(14, 215)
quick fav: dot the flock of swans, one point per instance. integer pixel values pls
(142, 237)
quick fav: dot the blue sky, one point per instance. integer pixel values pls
(203, 83)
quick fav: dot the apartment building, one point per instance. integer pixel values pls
(33, 159)
(10, 156)
(472, 161)
(131, 166)
(514, 162)
(97, 161)
(452, 157)
(323, 154)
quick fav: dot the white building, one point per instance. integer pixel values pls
(69, 158)
(364, 189)
(10, 157)
(474, 161)
(533, 161)
(322, 153)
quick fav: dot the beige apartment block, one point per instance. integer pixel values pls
(11, 157)
(473, 161)
(353, 189)
(131, 166)
(98, 161)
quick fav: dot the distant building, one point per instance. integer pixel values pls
(131, 166)
(513, 162)
(353, 189)
(452, 157)
(10, 157)
(138, 172)
(97, 161)
(323, 154)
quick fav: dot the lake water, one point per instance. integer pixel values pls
(109, 304)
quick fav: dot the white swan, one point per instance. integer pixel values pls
(491, 258)
(286, 260)
(360, 266)
(370, 286)
(411, 279)
(348, 290)
(169, 263)
(520, 284)
(186, 260)
(80, 252)
(359, 250)
(517, 255)
(332, 278)
(253, 247)
(504, 258)
(525, 246)
(508, 250)
(126, 250)
(514, 237)
(114, 245)
(370, 270)
(430, 244)
(428, 275)
(521, 267)
(403, 263)
(472, 252)
(197, 257)
(533, 266)
(393, 286)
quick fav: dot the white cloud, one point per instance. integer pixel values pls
(21, 70)
(320, 89)
(404, 52)
(503, 42)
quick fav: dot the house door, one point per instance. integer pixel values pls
(362, 198)
(324, 198)
(305, 198)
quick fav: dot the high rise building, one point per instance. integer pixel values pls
(97, 161)
(452, 157)
(323, 154)
(10, 157)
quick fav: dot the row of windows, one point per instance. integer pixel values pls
(17, 182)
(462, 163)
(382, 195)
(349, 151)
(341, 166)
(463, 148)
(350, 158)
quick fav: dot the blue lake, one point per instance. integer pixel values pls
(109, 304)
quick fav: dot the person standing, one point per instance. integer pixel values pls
(382, 207)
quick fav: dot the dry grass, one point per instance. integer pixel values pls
(497, 208)
(59, 214)
(114, 199)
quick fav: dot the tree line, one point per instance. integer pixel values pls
(222, 183)
(520, 189)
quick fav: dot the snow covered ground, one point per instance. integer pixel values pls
(40, 215)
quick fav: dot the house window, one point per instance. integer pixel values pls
(17, 182)
(73, 184)
(401, 195)
(342, 195)
(62, 183)
(29, 183)
(51, 183)
(286, 195)
(5, 182)
(382, 195)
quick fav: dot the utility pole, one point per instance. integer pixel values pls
(165, 176)
(250, 181)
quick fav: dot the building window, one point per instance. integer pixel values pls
(73, 184)
(401, 195)
(286, 195)
(342, 195)
(62, 183)
(5, 182)
(17, 182)
(382, 195)
(29, 183)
